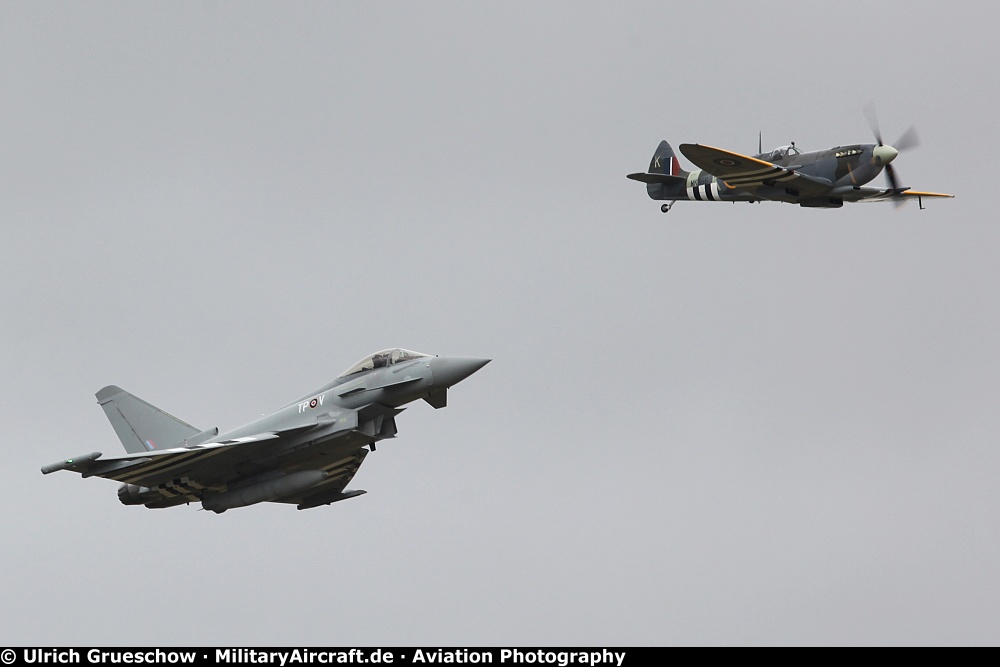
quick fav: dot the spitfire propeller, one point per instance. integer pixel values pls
(883, 154)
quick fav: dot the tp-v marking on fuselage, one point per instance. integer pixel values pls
(311, 403)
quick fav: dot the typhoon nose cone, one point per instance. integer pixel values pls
(452, 370)
(884, 154)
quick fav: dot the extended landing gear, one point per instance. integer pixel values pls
(666, 207)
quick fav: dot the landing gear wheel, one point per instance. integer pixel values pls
(665, 208)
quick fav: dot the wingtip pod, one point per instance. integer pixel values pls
(74, 463)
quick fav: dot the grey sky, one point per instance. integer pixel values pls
(733, 424)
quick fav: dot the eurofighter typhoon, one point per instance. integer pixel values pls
(303, 454)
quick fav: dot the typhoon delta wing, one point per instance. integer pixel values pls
(304, 453)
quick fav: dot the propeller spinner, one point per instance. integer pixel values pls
(884, 154)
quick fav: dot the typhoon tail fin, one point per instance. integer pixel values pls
(140, 426)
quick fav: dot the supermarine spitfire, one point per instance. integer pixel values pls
(819, 179)
(303, 454)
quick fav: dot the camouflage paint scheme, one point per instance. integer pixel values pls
(820, 179)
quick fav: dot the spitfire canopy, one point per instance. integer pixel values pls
(384, 358)
(782, 152)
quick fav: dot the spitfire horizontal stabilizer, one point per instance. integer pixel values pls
(657, 178)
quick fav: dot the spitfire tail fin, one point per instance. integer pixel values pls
(664, 179)
(140, 426)
(665, 162)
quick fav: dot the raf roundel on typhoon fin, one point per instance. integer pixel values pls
(303, 454)
(817, 179)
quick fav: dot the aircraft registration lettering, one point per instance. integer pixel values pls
(314, 402)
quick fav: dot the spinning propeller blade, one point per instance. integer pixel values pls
(908, 140)
(884, 154)
(873, 122)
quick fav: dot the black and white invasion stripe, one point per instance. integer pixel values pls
(707, 192)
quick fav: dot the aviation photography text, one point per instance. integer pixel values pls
(562, 657)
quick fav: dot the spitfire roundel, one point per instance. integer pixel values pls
(313, 403)
(727, 162)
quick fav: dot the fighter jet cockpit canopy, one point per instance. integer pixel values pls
(382, 359)
(782, 152)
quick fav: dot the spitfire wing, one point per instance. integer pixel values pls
(749, 173)
(875, 194)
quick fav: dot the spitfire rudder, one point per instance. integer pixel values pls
(665, 161)
(664, 179)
